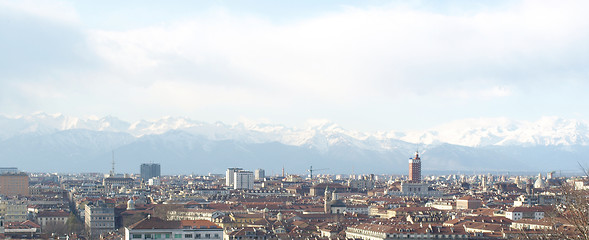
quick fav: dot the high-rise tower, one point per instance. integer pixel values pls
(415, 168)
(229, 176)
(150, 170)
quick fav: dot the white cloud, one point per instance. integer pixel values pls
(350, 57)
(357, 52)
(57, 10)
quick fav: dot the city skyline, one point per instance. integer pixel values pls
(261, 119)
(370, 65)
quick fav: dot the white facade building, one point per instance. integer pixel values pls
(517, 213)
(259, 174)
(154, 182)
(229, 176)
(156, 228)
(243, 180)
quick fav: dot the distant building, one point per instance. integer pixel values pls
(14, 184)
(333, 204)
(8, 170)
(99, 218)
(517, 213)
(154, 182)
(150, 170)
(230, 174)
(361, 184)
(114, 182)
(259, 174)
(415, 168)
(529, 200)
(468, 202)
(243, 180)
(415, 189)
(414, 186)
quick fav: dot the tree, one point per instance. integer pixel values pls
(73, 224)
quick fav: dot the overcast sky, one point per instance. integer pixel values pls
(366, 65)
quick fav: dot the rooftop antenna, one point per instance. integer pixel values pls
(311, 170)
(112, 171)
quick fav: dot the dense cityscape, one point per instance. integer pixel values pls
(246, 204)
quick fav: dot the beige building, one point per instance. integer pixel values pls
(14, 184)
(468, 202)
(51, 219)
(13, 211)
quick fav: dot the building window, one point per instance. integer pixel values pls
(177, 235)
(197, 235)
(187, 235)
(136, 236)
(158, 235)
(168, 235)
(216, 235)
(207, 235)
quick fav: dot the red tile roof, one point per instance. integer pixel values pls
(198, 224)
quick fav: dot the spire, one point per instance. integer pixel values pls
(112, 171)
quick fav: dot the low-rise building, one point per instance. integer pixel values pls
(157, 228)
(413, 231)
(468, 202)
(517, 213)
(13, 210)
(48, 219)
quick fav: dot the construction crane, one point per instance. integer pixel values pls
(311, 170)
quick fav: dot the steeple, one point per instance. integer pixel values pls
(112, 171)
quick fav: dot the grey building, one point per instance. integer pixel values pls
(259, 174)
(150, 170)
(99, 218)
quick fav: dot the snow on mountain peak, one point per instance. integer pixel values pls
(501, 131)
(321, 133)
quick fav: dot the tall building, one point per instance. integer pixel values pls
(243, 180)
(14, 184)
(415, 168)
(150, 170)
(259, 174)
(414, 186)
(230, 175)
(99, 218)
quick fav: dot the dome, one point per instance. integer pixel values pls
(337, 203)
(539, 183)
(131, 204)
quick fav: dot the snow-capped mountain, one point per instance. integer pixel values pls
(40, 141)
(548, 131)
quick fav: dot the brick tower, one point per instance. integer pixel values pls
(415, 168)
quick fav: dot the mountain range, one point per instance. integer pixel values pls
(43, 142)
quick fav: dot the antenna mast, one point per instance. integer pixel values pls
(112, 171)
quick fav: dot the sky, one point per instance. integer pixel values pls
(366, 65)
